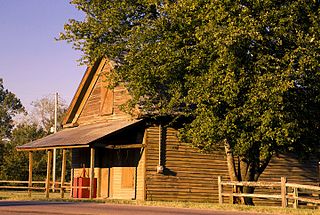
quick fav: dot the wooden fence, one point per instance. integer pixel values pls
(284, 195)
(25, 185)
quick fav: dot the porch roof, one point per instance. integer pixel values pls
(80, 136)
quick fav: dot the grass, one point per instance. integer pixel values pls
(40, 196)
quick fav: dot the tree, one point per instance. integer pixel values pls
(33, 126)
(42, 113)
(244, 75)
(10, 105)
(15, 163)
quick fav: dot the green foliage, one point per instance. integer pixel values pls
(10, 105)
(15, 163)
(244, 72)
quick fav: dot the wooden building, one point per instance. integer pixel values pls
(133, 159)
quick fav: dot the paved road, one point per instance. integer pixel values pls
(81, 208)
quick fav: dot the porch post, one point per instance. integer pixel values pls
(71, 176)
(30, 174)
(71, 182)
(63, 172)
(99, 182)
(92, 154)
(48, 172)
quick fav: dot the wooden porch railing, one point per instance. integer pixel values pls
(284, 195)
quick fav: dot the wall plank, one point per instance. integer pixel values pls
(104, 104)
(192, 176)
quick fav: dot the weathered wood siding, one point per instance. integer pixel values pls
(121, 188)
(103, 190)
(192, 176)
(110, 180)
(94, 109)
(296, 171)
(120, 172)
(188, 175)
(140, 177)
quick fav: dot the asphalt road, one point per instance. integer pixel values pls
(81, 208)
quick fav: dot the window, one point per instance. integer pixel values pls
(106, 96)
(127, 177)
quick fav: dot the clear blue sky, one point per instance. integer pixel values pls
(32, 63)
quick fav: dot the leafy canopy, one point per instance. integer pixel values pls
(15, 163)
(10, 105)
(246, 72)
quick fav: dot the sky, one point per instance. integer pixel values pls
(32, 63)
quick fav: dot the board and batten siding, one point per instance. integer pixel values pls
(140, 177)
(192, 176)
(95, 110)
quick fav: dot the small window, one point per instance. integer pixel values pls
(106, 96)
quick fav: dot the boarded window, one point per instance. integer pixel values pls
(127, 177)
(106, 107)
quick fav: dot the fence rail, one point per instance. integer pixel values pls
(26, 185)
(284, 195)
(30, 187)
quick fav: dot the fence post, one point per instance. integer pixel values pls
(220, 189)
(231, 200)
(295, 195)
(283, 192)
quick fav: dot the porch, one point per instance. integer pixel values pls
(106, 152)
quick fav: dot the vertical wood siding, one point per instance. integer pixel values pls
(118, 177)
(119, 190)
(104, 183)
(94, 110)
(140, 177)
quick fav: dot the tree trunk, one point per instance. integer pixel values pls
(232, 170)
(247, 174)
(230, 162)
(248, 200)
(249, 169)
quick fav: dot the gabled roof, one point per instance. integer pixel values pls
(85, 87)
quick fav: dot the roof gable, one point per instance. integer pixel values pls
(85, 87)
(93, 101)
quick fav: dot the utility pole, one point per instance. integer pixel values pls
(55, 150)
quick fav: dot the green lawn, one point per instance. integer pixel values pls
(23, 195)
